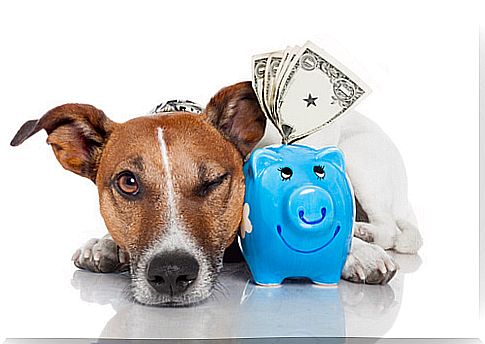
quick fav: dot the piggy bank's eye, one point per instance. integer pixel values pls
(286, 173)
(319, 171)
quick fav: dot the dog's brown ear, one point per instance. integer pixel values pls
(77, 135)
(236, 113)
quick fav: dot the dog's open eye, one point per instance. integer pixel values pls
(319, 171)
(286, 173)
(127, 183)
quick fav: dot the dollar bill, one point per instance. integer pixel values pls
(303, 89)
(315, 90)
(272, 65)
(288, 58)
(259, 69)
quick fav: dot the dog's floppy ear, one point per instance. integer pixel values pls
(236, 113)
(77, 135)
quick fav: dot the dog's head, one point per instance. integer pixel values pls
(171, 186)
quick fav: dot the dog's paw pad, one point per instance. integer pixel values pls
(369, 264)
(101, 255)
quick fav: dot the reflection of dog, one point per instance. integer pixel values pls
(171, 193)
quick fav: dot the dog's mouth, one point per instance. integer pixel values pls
(293, 248)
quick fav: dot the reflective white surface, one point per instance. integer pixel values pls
(238, 308)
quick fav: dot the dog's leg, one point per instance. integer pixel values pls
(378, 176)
(368, 263)
(101, 255)
(382, 233)
(380, 226)
(374, 222)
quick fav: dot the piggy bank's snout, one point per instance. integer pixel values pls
(310, 207)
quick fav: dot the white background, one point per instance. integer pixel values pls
(419, 57)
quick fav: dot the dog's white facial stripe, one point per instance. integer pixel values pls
(175, 236)
(172, 209)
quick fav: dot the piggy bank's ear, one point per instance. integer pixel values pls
(260, 159)
(333, 155)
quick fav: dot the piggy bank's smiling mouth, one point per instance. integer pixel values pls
(278, 229)
(301, 214)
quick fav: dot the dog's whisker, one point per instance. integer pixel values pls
(220, 289)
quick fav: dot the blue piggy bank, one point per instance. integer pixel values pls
(298, 214)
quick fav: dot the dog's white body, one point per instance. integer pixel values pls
(378, 176)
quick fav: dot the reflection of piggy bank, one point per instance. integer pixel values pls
(298, 214)
(314, 312)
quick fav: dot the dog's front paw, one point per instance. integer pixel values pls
(368, 263)
(101, 255)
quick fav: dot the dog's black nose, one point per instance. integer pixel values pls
(172, 273)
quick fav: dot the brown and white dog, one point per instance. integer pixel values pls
(171, 191)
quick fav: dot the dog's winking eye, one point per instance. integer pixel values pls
(207, 186)
(127, 183)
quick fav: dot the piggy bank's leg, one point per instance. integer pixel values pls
(268, 281)
(328, 278)
(266, 278)
(368, 263)
(268, 284)
(325, 285)
(326, 281)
